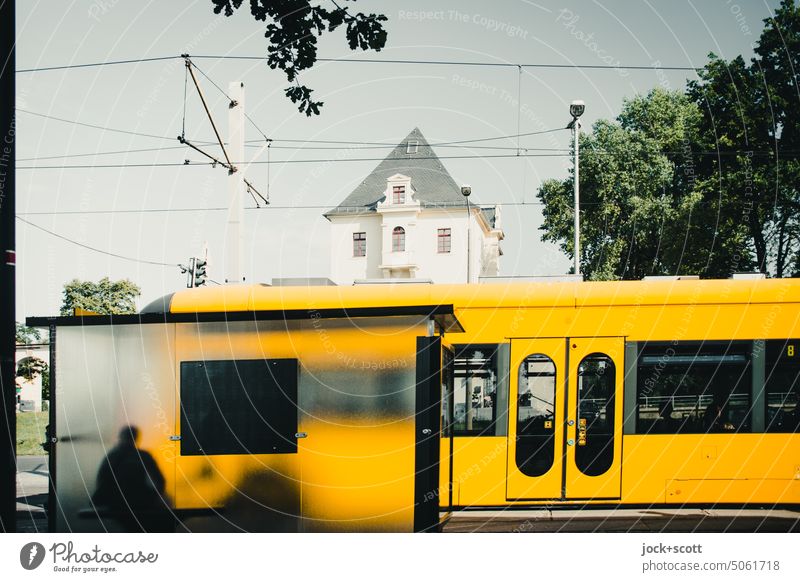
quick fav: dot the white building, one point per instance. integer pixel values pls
(29, 392)
(408, 219)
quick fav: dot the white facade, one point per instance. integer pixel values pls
(424, 255)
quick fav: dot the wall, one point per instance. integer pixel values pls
(421, 246)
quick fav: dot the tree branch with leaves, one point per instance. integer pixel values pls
(293, 32)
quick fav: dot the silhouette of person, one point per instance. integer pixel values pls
(130, 487)
(715, 415)
(666, 424)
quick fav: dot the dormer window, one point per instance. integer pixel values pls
(411, 147)
(398, 194)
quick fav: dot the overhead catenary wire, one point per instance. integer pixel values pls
(354, 209)
(247, 115)
(354, 60)
(80, 244)
(94, 126)
(215, 161)
(292, 140)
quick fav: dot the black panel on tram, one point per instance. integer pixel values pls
(239, 407)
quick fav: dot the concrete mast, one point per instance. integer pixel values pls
(233, 242)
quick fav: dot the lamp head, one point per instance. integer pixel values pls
(466, 190)
(576, 108)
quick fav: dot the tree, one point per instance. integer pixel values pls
(749, 118)
(636, 197)
(292, 33)
(27, 335)
(31, 367)
(104, 297)
(703, 182)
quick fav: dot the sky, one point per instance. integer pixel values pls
(155, 217)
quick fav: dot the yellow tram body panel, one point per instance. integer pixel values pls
(682, 468)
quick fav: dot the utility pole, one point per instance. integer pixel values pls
(8, 417)
(466, 190)
(233, 240)
(576, 129)
(576, 109)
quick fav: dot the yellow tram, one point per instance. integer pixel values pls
(383, 407)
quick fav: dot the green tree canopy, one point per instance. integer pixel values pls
(104, 297)
(292, 33)
(635, 200)
(27, 335)
(749, 119)
(702, 182)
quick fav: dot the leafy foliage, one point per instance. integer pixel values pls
(104, 297)
(703, 182)
(293, 32)
(634, 199)
(29, 368)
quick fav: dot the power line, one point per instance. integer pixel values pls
(378, 61)
(733, 203)
(118, 166)
(269, 162)
(288, 140)
(561, 154)
(91, 154)
(247, 115)
(98, 64)
(132, 259)
(93, 126)
(292, 148)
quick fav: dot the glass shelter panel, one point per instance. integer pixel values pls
(115, 414)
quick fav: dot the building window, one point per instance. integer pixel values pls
(411, 147)
(398, 239)
(443, 237)
(359, 244)
(398, 194)
(694, 387)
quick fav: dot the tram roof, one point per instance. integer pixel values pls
(441, 302)
(539, 294)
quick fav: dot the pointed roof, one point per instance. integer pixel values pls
(433, 184)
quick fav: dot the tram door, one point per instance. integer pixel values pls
(536, 417)
(594, 418)
(565, 419)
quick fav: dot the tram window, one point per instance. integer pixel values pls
(693, 388)
(594, 452)
(782, 385)
(475, 390)
(536, 407)
(238, 407)
(447, 391)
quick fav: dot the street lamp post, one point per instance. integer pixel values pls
(466, 190)
(576, 109)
